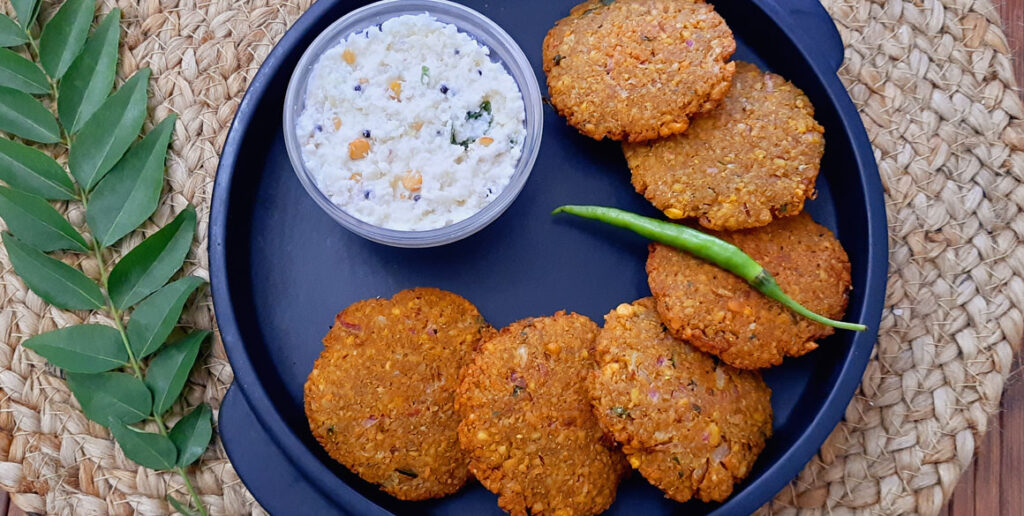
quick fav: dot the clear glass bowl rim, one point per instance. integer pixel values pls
(468, 21)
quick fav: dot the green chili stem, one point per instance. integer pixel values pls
(706, 247)
(767, 285)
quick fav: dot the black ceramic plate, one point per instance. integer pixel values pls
(281, 268)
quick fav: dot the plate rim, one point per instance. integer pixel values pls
(775, 477)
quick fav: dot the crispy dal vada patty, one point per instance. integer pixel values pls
(692, 425)
(754, 159)
(637, 69)
(381, 397)
(527, 421)
(721, 314)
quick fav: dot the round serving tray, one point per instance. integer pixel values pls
(281, 268)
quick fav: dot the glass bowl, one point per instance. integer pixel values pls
(504, 51)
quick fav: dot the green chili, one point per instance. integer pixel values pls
(706, 247)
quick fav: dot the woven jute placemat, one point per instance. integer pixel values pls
(934, 83)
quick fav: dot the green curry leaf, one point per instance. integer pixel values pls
(91, 76)
(155, 317)
(56, 282)
(37, 223)
(169, 369)
(83, 348)
(153, 451)
(150, 264)
(103, 396)
(130, 192)
(109, 132)
(64, 35)
(19, 73)
(22, 115)
(192, 434)
(11, 35)
(26, 10)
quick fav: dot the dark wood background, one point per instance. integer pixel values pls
(993, 485)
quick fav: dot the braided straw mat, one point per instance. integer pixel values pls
(934, 84)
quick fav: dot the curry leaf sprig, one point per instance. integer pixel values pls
(125, 372)
(708, 248)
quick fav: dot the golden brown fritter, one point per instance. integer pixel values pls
(721, 314)
(753, 159)
(637, 69)
(527, 422)
(690, 424)
(381, 397)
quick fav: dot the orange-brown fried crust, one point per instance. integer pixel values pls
(721, 314)
(637, 69)
(692, 425)
(752, 160)
(381, 397)
(527, 421)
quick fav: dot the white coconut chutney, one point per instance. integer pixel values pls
(409, 125)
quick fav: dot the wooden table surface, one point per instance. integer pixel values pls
(992, 486)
